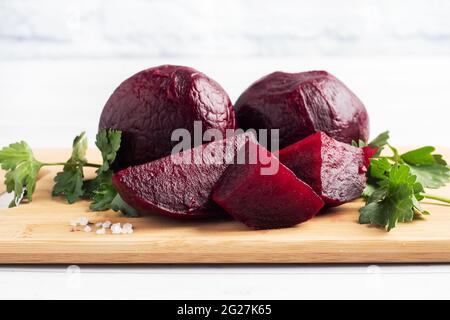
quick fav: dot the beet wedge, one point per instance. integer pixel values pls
(335, 170)
(180, 185)
(265, 194)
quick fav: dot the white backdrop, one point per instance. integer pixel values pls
(227, 28)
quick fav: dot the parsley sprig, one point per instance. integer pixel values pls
(22, 170)
(396, 183)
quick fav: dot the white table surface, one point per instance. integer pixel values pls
(47, 103)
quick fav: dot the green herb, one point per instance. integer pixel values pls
(102, 197)
(100, 189)
(119, 205)
(21, 171)
(379, 142)
(396, 184)
(394, 199)
(431, 169)
(69, 182)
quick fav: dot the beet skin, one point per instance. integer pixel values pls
(148, 106)
(300, 104)
(268, 201)
(180, 185)
(335, 170)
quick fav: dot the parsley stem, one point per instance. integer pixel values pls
(53, 164)
(94, 165)
(438, 198)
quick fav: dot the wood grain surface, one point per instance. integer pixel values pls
(39, 232)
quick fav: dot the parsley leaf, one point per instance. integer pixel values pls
(392, 202)
(69, 182)
(21, 171)
(359, 144)
(380, 141)
(100, 189)
(118, 204)
(431, 169)
(108, 142)
(396, 184)
(102, 197)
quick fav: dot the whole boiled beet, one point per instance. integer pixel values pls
(300, 104)
(151, 104)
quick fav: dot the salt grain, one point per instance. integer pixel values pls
(127, 228)
(99, 224)
(116, 228)
(106, 224)
(83, 221)
(100, 231)
(87, 229)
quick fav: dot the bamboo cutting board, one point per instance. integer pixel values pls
(39, 232)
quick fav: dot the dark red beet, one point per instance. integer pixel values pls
(300, 104)
(369, 152)
(265, 201)
(148, 106)
(335, 170)
(170, 187)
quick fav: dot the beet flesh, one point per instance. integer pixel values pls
(300, 104)
(174, 187)
(335, 170)
(148, 106)
(265, 201)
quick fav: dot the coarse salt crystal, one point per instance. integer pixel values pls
(127, 228)
(106, 224)
(99, 224)
(83, 221)
(116, 228)
(87, 229)
(100, 231)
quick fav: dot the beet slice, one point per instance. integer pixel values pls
(265, 201)
(335, 170)
(300, 104)
(151, 104)
(369, 152)
(180, 185)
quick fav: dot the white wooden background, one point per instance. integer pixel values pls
(231, 28)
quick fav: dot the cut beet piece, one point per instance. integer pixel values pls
(300, 104)
(274, 198)
(151, 104)
(369, 152)
(335, 170)
(180, 185)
